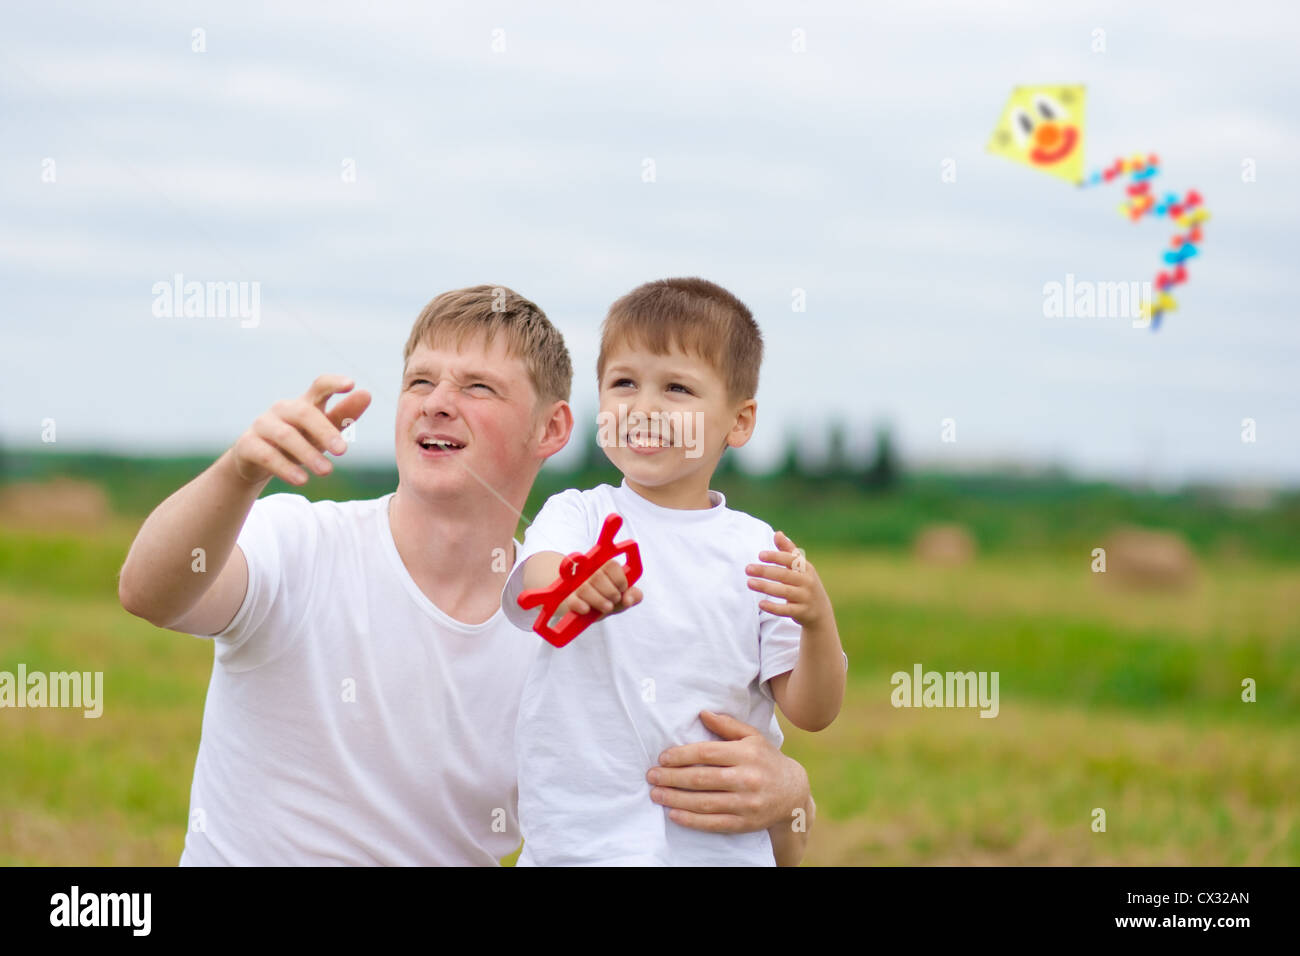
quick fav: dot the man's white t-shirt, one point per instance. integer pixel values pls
(348, 719)
(596, 713)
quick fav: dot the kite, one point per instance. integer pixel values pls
(1043, 127)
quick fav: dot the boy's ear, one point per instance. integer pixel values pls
(746, 418)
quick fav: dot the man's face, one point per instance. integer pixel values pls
(671, 418)
(465, 413)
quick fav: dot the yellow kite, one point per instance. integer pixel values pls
(1042, 127)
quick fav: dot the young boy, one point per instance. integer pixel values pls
(677, 373)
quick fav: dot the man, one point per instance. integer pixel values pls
(365, 683)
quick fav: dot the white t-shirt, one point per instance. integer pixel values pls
(596, 713)
(348, 719)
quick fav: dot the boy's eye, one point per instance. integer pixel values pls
(621, 382)
(682, 387)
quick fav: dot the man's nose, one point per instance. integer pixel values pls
(441, 399)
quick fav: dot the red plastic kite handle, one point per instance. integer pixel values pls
(574, 572)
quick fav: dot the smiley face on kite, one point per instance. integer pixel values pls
(1042, 127)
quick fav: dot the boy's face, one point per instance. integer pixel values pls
(665, 421)
(482, 400)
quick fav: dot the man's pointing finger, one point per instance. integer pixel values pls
(325, 386)
(349, 407)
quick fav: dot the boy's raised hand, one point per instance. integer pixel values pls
(789, 574)
(297, 431)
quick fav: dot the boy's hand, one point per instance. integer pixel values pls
(605, 591)
(790, 575)
(296, 432)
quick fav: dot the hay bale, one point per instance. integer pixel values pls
(61, 504)
(950, 545)
(1144, 559)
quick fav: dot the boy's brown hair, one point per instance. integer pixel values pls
(492, 309)
(695, 316)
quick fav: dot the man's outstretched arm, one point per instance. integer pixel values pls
(737, 785)
(158, 582)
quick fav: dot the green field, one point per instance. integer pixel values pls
(1129, 702)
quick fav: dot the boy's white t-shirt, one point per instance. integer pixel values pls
(348, 719)
(596, 713)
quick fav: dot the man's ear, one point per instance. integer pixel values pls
(553, 426)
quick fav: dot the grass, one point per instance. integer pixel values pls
(1126, 702)
(934, 787)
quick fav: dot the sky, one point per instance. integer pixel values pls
(356, 159)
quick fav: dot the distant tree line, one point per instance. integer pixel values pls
(880, 471)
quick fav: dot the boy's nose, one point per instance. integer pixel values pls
(641, 416)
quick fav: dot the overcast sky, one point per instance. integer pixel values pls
(507, 143)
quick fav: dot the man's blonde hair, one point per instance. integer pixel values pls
(696, 316)
(490, 309)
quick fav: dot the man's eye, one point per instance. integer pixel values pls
(481, 385)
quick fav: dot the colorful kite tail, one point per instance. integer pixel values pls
(1189, 214)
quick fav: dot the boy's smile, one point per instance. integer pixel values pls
(672, 420)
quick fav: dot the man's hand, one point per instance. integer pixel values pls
(736, 785)
(158, 581)
(296, 432)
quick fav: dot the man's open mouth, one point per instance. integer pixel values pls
(439, 443)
